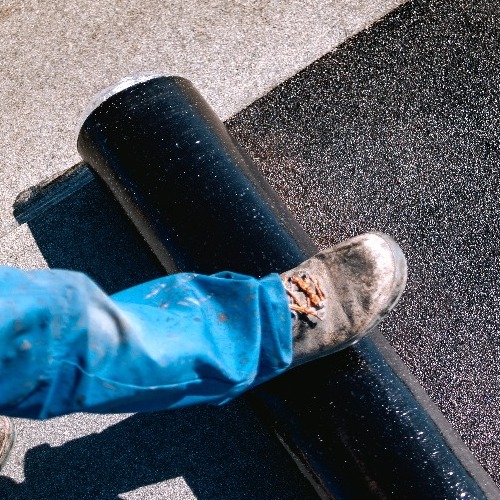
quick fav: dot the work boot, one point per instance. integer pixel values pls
(342, 293)
(6, 438)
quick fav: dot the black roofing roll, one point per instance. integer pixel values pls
(357, 423)
(190, 189)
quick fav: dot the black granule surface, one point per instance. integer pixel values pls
(397, 131)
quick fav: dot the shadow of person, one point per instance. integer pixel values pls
(78, 224)
(218, 451)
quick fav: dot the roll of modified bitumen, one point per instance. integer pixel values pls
(357, 423)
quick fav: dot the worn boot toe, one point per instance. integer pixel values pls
(342, 293)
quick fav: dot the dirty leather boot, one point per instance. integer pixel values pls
(342, 293)
(6, 438)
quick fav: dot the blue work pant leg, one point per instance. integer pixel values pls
(184, 339)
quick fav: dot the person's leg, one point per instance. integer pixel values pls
(185, 339)
(341, 294)
(180, 340)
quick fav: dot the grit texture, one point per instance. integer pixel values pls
(397, 131)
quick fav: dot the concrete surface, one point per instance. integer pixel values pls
(54, 57)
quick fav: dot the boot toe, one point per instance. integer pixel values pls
(376, 268)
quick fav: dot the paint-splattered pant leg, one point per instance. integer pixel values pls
(184, 339)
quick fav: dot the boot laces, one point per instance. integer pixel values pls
(306, 297)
